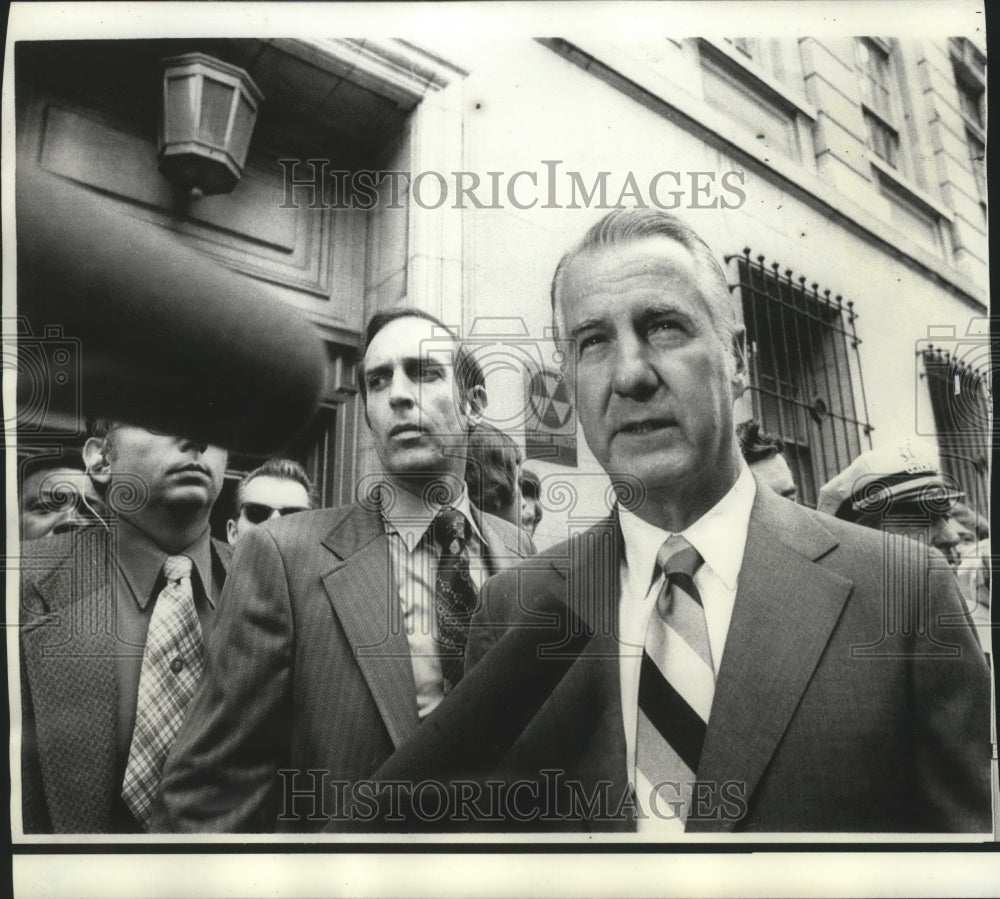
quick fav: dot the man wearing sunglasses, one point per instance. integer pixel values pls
(277, 488)
(342, 629)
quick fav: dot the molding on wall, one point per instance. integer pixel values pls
(396, 69)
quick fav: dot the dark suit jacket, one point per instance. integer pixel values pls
(308, 672)
(852, 695)
(69, 685)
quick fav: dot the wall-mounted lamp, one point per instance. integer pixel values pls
(209, 110)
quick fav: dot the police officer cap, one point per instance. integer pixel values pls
(904, 471)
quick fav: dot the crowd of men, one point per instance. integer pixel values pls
(713, 656)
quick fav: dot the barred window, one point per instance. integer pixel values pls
(960, 399)
(805, 373)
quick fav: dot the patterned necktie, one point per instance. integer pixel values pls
(676, 685)
(171, 668)
(455, 593)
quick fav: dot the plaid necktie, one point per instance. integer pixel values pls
(676, 685)
(455, 593)
(171, 668)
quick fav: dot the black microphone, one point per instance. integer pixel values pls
(166, 337)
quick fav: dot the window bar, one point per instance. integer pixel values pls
(852, 440)
(824, 323)
(835, 346)
(851, 340)
(852, 317)
(805, 366)
(775, 373)
(960, 442)
(752, 348)
(810, 371)
(787, 380)
(825, 366)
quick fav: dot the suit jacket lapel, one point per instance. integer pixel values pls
(222, 555)
(586, 704)
(501, 549)
(361, 589)
(70, 658)
(786, 608)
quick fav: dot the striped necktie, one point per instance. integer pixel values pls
(676, 686)
(171, 667)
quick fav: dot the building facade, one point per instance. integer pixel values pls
(841, 182)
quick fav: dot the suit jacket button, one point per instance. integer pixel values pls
(177, 665)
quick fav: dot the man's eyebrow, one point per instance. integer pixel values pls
(586, 325)
(663, 308)
(378, 370)
(417, 362)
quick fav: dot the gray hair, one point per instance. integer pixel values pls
(623, 226)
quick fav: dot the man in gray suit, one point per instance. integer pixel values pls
(342, 629)
(111, 642)
(710, 657)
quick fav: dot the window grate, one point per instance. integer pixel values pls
(961, 401)
(803, 366)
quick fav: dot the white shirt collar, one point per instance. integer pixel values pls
(712, 535)
(410, 516)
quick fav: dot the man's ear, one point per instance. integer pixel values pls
(739, 351)
(475, 404)
(95, 457)
(231, 532)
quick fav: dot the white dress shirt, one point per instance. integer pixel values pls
(720, 536)
(415, 554)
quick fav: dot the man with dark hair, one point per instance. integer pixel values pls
(709, 657)
(492, 473)
(113, 619)
(764, 453)
(531, 508)
(278, 487)
(343, 629)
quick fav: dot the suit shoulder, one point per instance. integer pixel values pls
(536, 568)
(54, 571)
(853, 537)
(512, 536)
(345, 528)
(41, 557)
(876, 561)
(55, 546)
(313, 521)
(820, 536)
(555, 561)
(223, 550)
